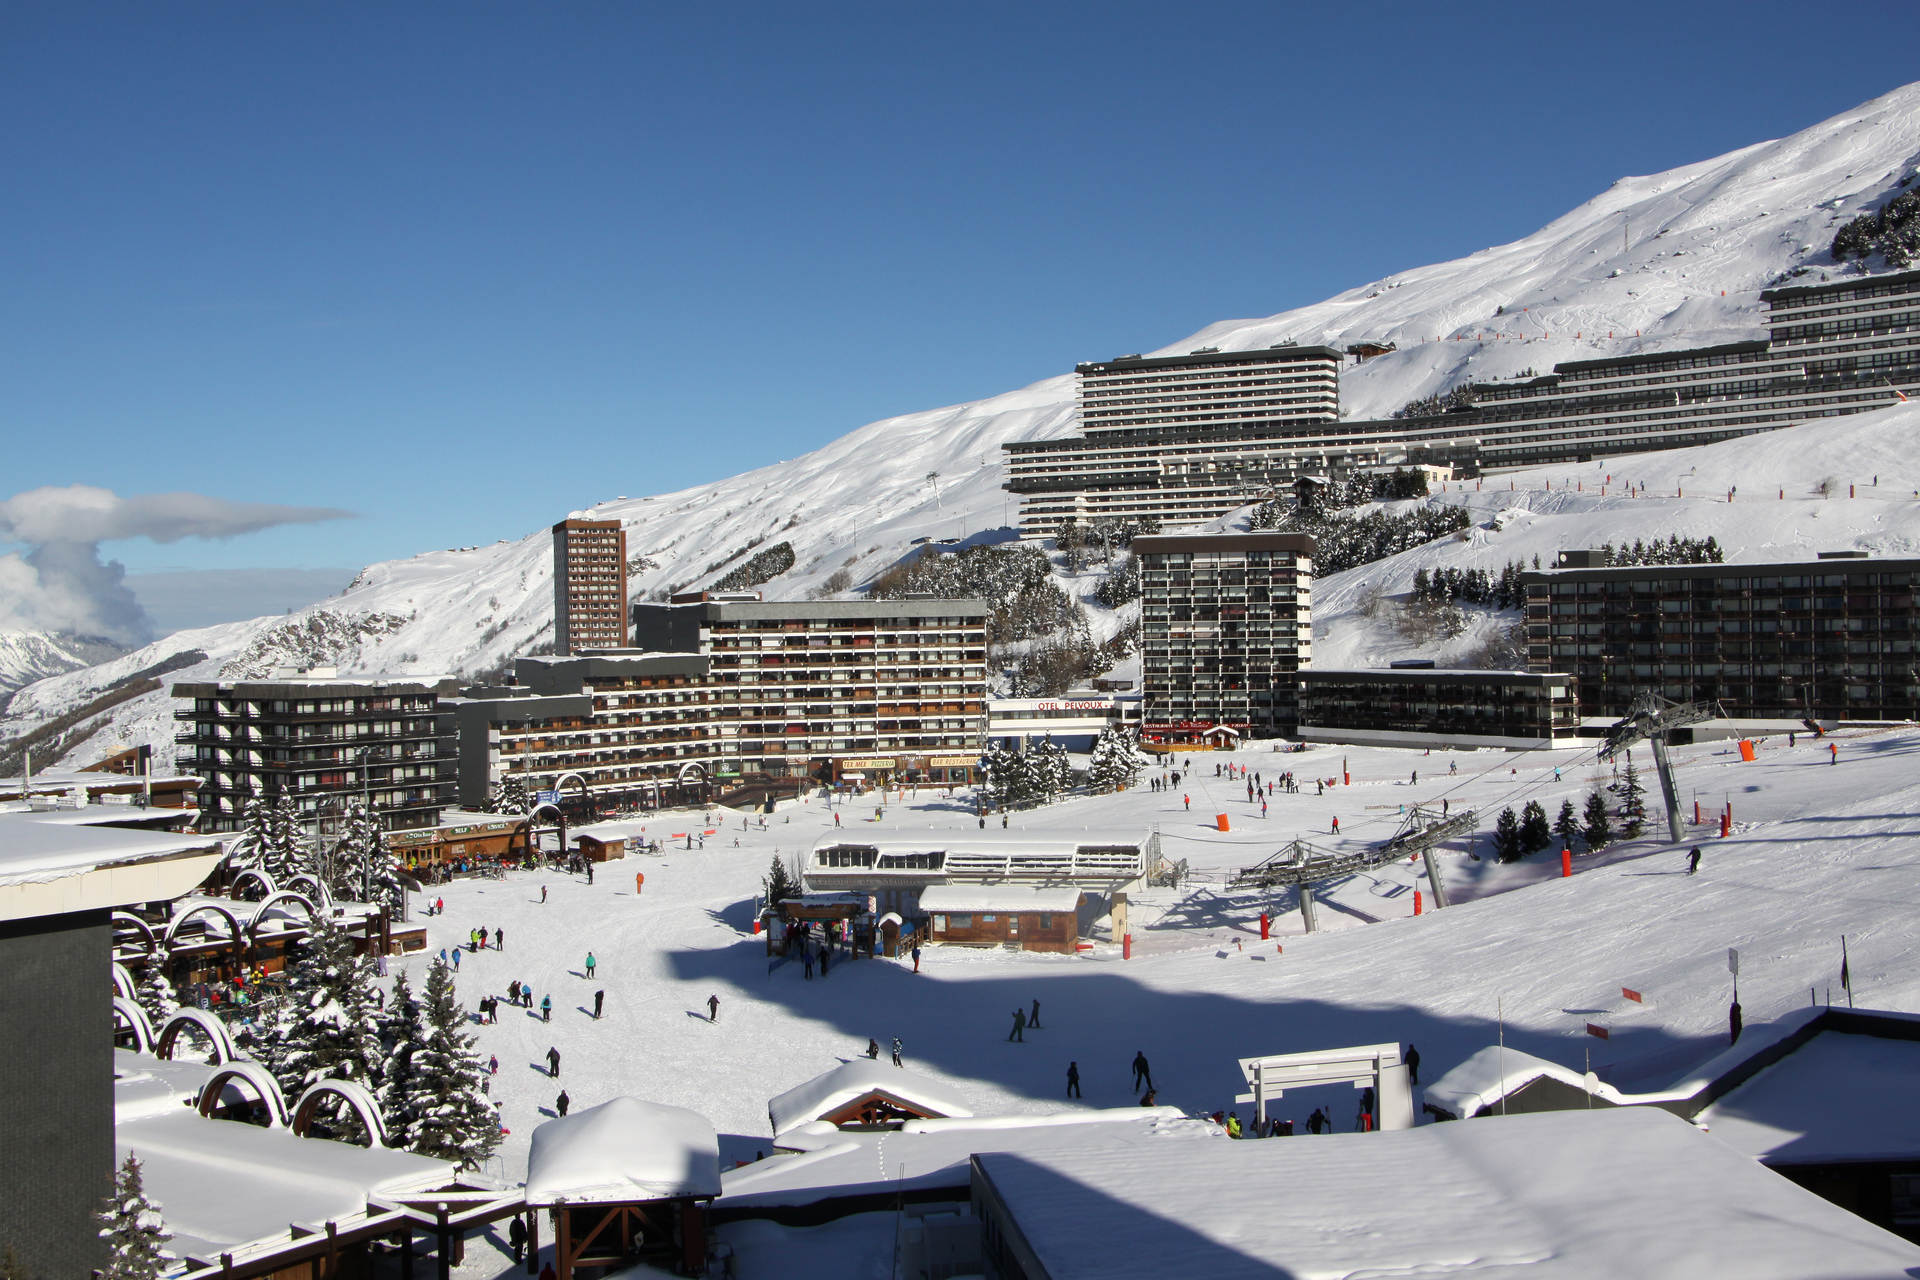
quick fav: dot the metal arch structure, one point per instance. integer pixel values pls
(287, 895)
(238, 931)
(128, 1010)
(135, 922)
(1652, 718)
(533, 834)
(319, 891)
(252, 873)
(123, 981)
(214, 1029)
(252, 1073)
(358, 1100)
(691, 766)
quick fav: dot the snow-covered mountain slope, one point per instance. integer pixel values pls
(27, 656)
(1670, 260)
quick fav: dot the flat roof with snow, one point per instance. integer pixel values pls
(50, 866)
(621, 1151)
(1634, 1192)
(1838, 1097)
(1010, 898)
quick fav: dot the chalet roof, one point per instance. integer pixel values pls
(621, 1151)
(856, 1079)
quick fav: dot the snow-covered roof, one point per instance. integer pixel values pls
(624, 1149)
(1633, 1192)
(998, 897)
(50, 867)
(1492, 1073)
(221, 1184)
(934, 1153)
(1809, 1105)
(856, 1079)
(937, 839)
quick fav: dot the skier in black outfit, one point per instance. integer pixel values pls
(1141, 1072)
(553, 1061)
(713, 1008)
(1073, 1079)
(896, 1051)
(1019, 1026)
(599, 998)
(517, 1236)
(562, 1102)
(1413, 1065)
(1033, 1019)
(1693, 860)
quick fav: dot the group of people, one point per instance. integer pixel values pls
(873, 1051)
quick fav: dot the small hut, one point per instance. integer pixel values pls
(626, 1181)
(863, 1094)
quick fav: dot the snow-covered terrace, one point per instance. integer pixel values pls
(1633, 1192)
(1095, 858)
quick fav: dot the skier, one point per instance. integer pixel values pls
(1413, 1066)
(553, 1061)
(561, 1103)
(1141, 1072)
(806, 959)
(1415, 781)
(1188, 801)
(517, 1236)
(1019, 1031)
(1033, 1019)
(493, 1064)
(499, 941)
(456, 959)
(1833, 753)
(1233, 1125)
(546, 1008)
(873, 1049)
(896, 1051)
(599, 998)
(589, 966)
(1693, 860)
(1336, 826)
(543, 893)
(526, 994)
(1073, 1079)
(916, 958)
(713, 1008)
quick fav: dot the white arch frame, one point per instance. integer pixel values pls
(136, 1017)
(257, 873)
(350, 1092)
(238, 931)
(146, 930)
(259, 914)
(216, 1031)
(123, 982)
(320, 893)
(254, 1074)
(680, 776)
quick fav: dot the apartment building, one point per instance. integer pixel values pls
(1420, 705)
(1226, 623)
(326, 739)
(832, 688)
(589, 585)
(1178, 439)
(1831, 349)
(1831, 638)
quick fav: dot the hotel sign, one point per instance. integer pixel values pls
(1094, 708)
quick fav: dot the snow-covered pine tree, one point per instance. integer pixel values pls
(154, 992)
(361, 868)
(1535, 835)
(451, 1116)
(130, 1224)
(328, 1027)
(285, 851)
(1050, 772)
(778, 883)
(1566, 827)
(1633, 802)
(1004, 777)
(402, 1033)
(1506, 836)
(248, 850)
(1598, 830)
(1115, 763)
(509, 796)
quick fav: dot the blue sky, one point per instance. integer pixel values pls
(461, 268)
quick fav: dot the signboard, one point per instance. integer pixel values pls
(1094, 708)
(881, 762)
(546, 797)
(952, 762)
(1733, 961)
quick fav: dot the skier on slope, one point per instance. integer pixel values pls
(896, 1051)
(553, 1061)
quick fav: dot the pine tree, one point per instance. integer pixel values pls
(402, 1034)
(284, 849)
(1005, 778)
(1598, 830)
(248, 850)
(1535, 835)
(452, 1118)
(328, 1027)
(509, 796)
(778, 882)
(130, 1224)
(1567, 826)
(1633, 802)
(1114, 763)
(1506, 836)
(361, 868)
(153, 991)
